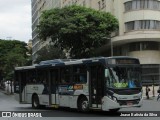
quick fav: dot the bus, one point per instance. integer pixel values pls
(102, 83)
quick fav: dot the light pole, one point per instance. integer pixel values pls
(111, 47)
(109, 44)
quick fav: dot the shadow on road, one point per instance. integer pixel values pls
(67, 112)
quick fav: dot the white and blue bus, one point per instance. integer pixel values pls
(104, 83)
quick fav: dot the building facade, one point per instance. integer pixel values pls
(37, 7)
(138, 35)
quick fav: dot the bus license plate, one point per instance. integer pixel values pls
(129, 103)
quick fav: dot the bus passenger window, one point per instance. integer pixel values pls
(44, 81)
(63, 81)
(34, 80)
(83, 79)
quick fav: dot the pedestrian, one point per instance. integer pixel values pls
(158, 91)
(147, 91)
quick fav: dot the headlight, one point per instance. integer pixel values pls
(141, 96)
(109, 96)
(114, 98)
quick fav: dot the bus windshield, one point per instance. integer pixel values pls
(123, 77)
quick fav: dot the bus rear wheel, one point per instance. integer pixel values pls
(83, 105)
(35, 102)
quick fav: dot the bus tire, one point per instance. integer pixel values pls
(83, 104)
(35, 102)
(114, 110)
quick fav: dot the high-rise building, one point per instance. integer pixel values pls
(138, 34)
(34, 24)
(37, 7)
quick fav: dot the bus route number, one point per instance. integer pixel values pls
(120, 85)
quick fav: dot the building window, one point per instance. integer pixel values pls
(150, 74)
(142, 4)
(128, 6)
(66, 75)
(74, 2)
(129, 26)
(140, 46)
(101, 4)
(142, 25)
(84, 3)
(79, 75)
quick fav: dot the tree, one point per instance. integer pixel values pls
(49, 52)
(13, 54)
(77, 29)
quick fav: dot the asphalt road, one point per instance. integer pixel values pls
(8, 103)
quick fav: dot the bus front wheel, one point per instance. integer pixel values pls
(83, 105)
(35, 102)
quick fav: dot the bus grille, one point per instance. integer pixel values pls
(127, 92)
(128, 102)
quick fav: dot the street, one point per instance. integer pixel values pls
(8, 103)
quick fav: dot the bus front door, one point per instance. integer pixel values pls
(23, 87)
(96, 86)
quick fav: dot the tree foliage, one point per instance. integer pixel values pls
(49, 52)
(77, 29)
(12, 54)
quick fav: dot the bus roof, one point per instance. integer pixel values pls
(63, 62)
(24, 67)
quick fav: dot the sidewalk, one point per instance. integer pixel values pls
(6, 92)
(151, 91)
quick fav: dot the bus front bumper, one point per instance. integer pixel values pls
(108, 103)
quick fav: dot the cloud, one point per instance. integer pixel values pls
(15, 19)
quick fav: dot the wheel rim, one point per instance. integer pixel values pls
(35, 102)
(84, 105)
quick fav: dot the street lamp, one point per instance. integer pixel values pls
(111, 42)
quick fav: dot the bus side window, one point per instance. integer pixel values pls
(63, 81)
(80, 74)
(66, 75)
(83, 78)
(34, 80)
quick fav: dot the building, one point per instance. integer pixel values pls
(29, 47)
(37, 7)
(138, 35)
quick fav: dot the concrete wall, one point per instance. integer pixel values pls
(147, 56)
(141, 15)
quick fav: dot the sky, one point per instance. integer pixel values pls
(15, 20)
